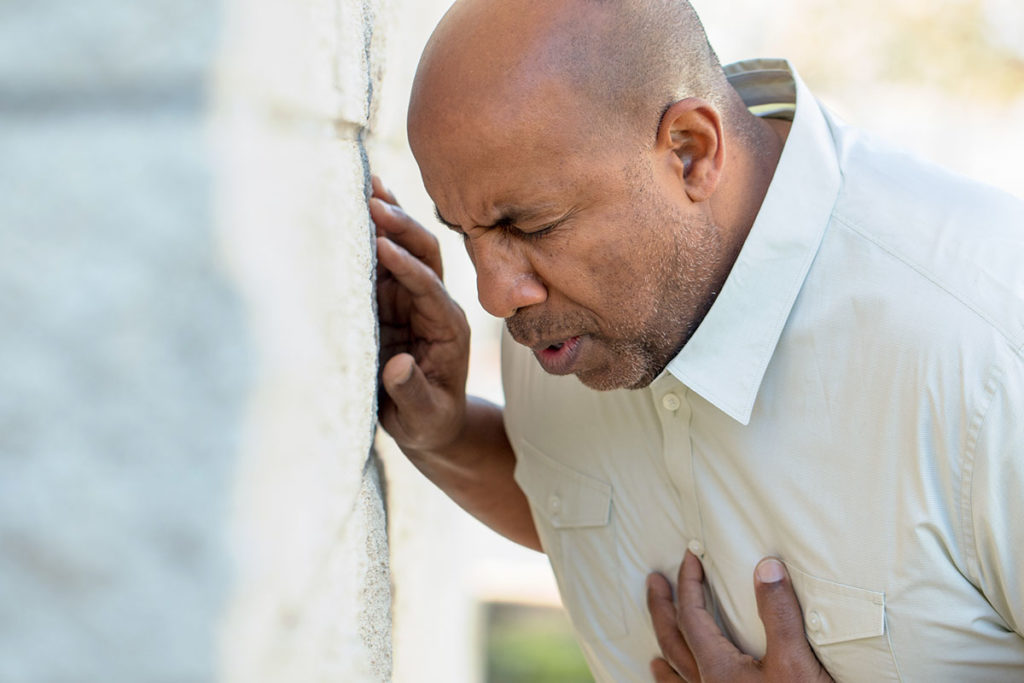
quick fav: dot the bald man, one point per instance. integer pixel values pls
(736, 328)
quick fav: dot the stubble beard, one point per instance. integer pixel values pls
(683, 289)
(680, 286)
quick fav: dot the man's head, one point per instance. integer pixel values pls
(578, 146)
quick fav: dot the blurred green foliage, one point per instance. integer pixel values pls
(528, 644)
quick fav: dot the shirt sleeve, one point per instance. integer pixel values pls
(993, 495)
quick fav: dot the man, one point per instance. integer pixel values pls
(787, 341)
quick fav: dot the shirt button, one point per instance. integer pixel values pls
(814, 621)
(670, 402)
(696, 547)
(554, 505)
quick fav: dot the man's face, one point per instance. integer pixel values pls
(588, 249)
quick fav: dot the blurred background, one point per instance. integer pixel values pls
(189, 482)
(943, 78)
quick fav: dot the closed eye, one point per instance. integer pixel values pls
(518, 233)
(457, 230)
(451, 226)
(532, 235)
(507, 227)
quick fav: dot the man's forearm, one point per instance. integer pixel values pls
(476, 472)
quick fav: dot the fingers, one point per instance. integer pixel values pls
(670, 640)
(702, 634)
(397, 372)
(695, 649)
(783, 621)
(777, 603)
(407, 386)
(410, 408)
(421, 282)
(420, 413)
(416, 314)
(424, 351)
(392, 222)
(664, 673)
(382, 192)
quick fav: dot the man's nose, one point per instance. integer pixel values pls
(505, 278)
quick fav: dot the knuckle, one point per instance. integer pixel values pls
(434, 285)
(433, 244)
(788, 666)
(661, 634)
(688, 618)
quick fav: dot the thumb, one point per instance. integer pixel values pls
(420, 415)
(406, 385)
(779, 610)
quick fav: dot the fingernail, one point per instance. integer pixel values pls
(408, 374)
(770, 571)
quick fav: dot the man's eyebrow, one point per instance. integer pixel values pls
(441, 219)
(508, 217)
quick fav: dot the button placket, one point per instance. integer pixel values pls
(672, 405)
(671, 402)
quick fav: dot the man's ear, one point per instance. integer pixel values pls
(691, 131)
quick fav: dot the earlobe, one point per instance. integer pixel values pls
(690, 134)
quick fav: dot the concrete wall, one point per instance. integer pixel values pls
(295, 96)
(187, 352)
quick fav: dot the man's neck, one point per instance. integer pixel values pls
(753, 155)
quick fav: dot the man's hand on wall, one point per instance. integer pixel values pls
(696, 651)
(424, 335)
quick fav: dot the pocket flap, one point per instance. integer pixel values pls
(835, 612)
(565, 497)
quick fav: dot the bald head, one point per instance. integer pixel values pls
(578, 146)
(621, 61)
(636, 58)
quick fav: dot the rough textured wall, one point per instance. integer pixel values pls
(124, 352)
(187, 339)
(295, 96)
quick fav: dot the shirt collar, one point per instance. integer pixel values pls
(726, 358)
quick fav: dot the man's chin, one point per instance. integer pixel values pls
(609, 379)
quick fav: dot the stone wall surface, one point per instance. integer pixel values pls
(295, 95)
(187, 358)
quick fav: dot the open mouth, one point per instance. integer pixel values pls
(560, 357)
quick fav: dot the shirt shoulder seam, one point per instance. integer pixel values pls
(1015, 342)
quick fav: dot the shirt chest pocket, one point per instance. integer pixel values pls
(574, 516)
(846, 627)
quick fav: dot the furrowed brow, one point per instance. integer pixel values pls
(508, 217)
(441, 219)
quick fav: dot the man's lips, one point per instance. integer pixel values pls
(559, 357)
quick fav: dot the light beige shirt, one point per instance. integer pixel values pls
(853, 404)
